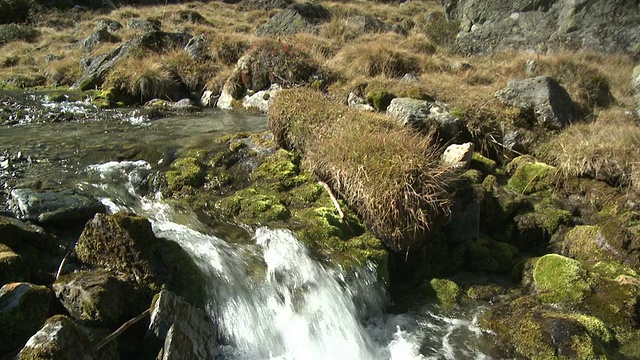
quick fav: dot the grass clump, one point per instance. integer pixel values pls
(387, 173)
(17, 32)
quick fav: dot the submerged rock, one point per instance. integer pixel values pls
(549, 101)
(53, 206)
(23, 309)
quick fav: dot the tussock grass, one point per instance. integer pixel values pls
(388, 173)
(63, 72)
(606, 150)
(227, 49)
(193, 74)
(142, 78)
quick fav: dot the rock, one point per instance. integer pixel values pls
(260, 100)
(409, 78)
(298, 17)
(192, 17)
(265, 5)
(99, 298)
(97, 37)
(12, 267)
(461, 66)
(529, 176)
(60, 338)
(225, 100)
(125, 243)
(635, 85)
(559, 279)
(551, 104)
(108, 24)
(380, 100)
(23, 310)
(458, 156)
(16, 234)
(96, 69)
(423, 113)
(367, 24)
(447, 291)
(359, 103)
(183, 105)
(143, 25)
(208, 99)
(197, 48)
(53, 206)
(181, 330)
(549, 25)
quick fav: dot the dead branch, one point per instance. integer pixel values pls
(64, 261)
(335, 203)
(120, 330)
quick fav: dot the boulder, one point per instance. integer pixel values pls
(550, 103)
(559, 279)
(358, 102)
(208, 99)
(197, 48)
(53, 206)
(182, 105)
(224, 100)
(12, 267)
(423, 113)
(16, 234)
(179, 329)
(125, 243)
(100, 36)
(99, 298)
(60, 338)
(108, 24)
(487, 26)
(23, 310)
(458, 156)
(143, 25)
(298, 17)
(447, 291)
(260, 100)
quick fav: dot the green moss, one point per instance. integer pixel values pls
(483, 164)
(473, 176)
(596, 327)
(530, 176)
(488, 255)
(580, 243)
(12, 267)
(613, 269)
(281, 170)
(187, 172)
(253, 207)
(558, 279)
(380, 100)
(484, 292)
(447, 291)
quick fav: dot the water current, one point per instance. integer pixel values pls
(271, 299)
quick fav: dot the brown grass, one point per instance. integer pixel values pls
(388, 173)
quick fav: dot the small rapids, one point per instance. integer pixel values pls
(272, 300)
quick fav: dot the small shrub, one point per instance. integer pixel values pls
(380, 100)
(228, 50)
(17, 32)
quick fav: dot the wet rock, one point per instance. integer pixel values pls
(108, 24)
(447, 291)
(100, 36)
(298, 17)
(125, 243)
(12, 267)
(209, 99)
(260, 100)
(181, 330)
(458, 156)
(53, 206)
(143, 25)
(60, 338)
(99, 298)
(15, 234)
(551, 104)
(546, 25)
(224, 100)
(23, 310)
(423, 113)
(182, 105)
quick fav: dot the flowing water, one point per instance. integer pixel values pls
(270, 298)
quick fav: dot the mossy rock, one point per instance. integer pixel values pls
(12, 267)
(485, 292)
(530, 176)
(23, 309)
(280, 170)
(380, 100)
(486, 254)
(187, 172)
(620, 237)
(580, 243)
(17, 234)
(252, 206)
(497, 205)
(483, 164)
(125, 243)
(447, 291)
(536, 226)
(558, 279)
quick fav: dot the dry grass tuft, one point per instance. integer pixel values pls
(145, 79)
(388, 173)
(63, 72)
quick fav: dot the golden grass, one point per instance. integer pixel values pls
(142, 78)
(388, 173)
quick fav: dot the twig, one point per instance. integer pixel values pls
(335, 203)
(120, 330)
(64, 261)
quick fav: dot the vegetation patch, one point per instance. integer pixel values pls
(17, 32)
(558, 279)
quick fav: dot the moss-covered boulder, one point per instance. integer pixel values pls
(486, 254)
(16, 234)
(60, 338)
(619, 237)
(484, 164)
(537, 223)
(125, 243)
(23, 310)
(185, 173)
(447, 291)
(581, 243)
(530, 176)
(12, 267)
(97, 297)
(558, 279)
(253, 206)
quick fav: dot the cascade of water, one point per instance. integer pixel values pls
(270, 298)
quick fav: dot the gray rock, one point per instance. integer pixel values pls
(299, 17)
(260, 100)
(197, 48)
(50, 206)
(358, 102)
(16, 234)
(550, 102)
(100, 36)
(23, 310)
(182, 105)
(541, 25)
(266, 5)
(94, 70)
(458, 156)
(367, 24)
(108, 24)
(99, 298)
(143, 25)
(12, 267)
(410, 78)
(60, 338)
(181, 330)
(423, 113)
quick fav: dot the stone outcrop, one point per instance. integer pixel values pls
(549, 101)
(100, 36)
(299, 17)
(541, 25)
